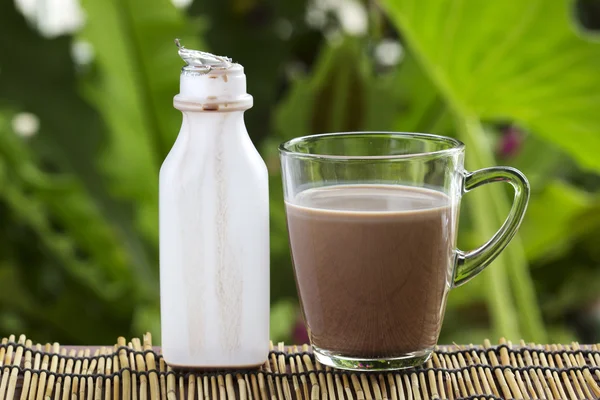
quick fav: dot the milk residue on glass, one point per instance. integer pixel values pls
(214, 224)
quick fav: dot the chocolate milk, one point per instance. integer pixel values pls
(373, 265)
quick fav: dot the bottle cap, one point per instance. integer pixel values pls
(200, 62)
(210, 83)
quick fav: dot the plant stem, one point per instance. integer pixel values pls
(530, 316)
(502, 309)
(530, 319)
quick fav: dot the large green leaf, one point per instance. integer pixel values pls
(552, 222)
(541, 162)
(136, 78)
(516, 60)
(422, 109)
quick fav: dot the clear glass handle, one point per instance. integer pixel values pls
(470, 263)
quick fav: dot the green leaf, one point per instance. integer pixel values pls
(541, 162)
(284, 314)
(137, 76)
(58, 249)
(517, 60)
(341, 94)
(13, 293)
(561, 334)
(487, 70)
(41, 199)
(422, 109)
(579, 288)
(66, 145)
(551, 224)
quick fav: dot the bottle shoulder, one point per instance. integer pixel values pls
(235, 159)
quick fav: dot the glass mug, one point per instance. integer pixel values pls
(372, 221)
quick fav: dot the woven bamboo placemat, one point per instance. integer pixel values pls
(135, 370)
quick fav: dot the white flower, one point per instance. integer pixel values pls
(25, 124)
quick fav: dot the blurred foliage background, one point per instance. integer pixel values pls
(86, 119)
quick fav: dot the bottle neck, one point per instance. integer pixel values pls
(201, 125)
(218, 90)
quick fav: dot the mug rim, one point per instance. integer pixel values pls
(456, 145)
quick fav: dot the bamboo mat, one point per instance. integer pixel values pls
(134, 370)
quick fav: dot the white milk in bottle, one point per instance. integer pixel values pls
(214, 225)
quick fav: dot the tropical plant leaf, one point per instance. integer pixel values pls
(541, 162)
(534, 68)
(552, 221)
(422, 108)
(137, 77)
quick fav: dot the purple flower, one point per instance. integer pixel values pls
(510, 142)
